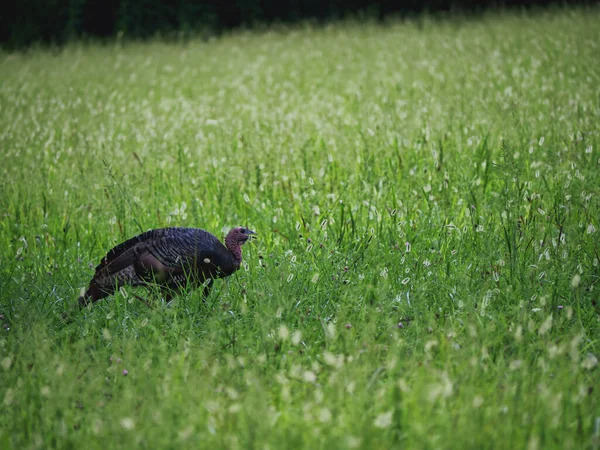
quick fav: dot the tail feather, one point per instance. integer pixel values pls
(105, 283)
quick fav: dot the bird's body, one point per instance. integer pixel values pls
(172, 258)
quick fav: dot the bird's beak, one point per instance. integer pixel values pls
(252, 234)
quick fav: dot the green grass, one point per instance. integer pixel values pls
(427, 196)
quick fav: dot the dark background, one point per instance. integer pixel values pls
(26, 22)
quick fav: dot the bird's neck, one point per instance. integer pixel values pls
(234, 247)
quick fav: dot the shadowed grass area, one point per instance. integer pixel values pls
(427, 200)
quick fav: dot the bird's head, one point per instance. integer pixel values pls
(241, 235)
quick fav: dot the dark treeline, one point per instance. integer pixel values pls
(56, 21)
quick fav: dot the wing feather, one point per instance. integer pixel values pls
(173, 247)
(123, 254)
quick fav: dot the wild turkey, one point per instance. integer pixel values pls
(172, 258)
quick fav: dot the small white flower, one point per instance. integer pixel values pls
(330, 331)
(329, 358)
(9, 396)
(545, 327)
(284, 333)
(354, 442)
(6, 363)
(309, 376)
(430, 344)
(296, 337)
(384, 420)
(127, 423)
(590, 361)
(235, 408)
(515, 364)
(325, 415)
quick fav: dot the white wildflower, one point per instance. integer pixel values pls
(590, 361)
(296, 337)
(284, 333)
(127, 423)
(309, 376)
(545, 327)
(6, 363)
(325, 415)
(384, 420)
(477, 401)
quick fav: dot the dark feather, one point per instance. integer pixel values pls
(170, 257)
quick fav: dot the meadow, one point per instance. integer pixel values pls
(427, 198)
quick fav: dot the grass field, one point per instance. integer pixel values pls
(427, 196)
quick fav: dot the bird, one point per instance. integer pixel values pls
(172, 258)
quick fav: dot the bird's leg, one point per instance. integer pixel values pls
(167, 295)
(143, 301)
